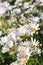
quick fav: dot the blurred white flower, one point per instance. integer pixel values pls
(19, 0)
(16, 11)
(39, 2)
(22, 30)
(5, 49)
(34, 43)
(11, 30)
(35, 19)
(9, 44)
(26, 5)
(3, 40)
(3, 7)
(33, 28)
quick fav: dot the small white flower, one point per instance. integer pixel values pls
(35, 19)
(19, 0)
(11, 30)
(2, 11)
(9, 44)
(22, 30)
(26, 5)
(36, 51)
(34, 43)
(14, 63)
(33, 28)
(12, 36)
(3, 7)
(39, 2)
(5, 49)
(16, 11)
(4, 40)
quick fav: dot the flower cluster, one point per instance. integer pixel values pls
(18, 24)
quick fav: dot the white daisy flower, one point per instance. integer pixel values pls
(4, 6)
(33, 28)
(22, 30)
(34, 43)
(26, 5)
(4, 40)
(5, 49)
(16, 11)
(39, 2)
(9, 44)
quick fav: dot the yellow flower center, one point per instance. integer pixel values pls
(11, 30)
(4, 6)
(32, 46)
(24, 45)
(33, 29)
(28, 12)
(28, 34)
(24, 61)
(22, 51)
(25, 22)
(25, 56)
(40, 3)
(21, 34)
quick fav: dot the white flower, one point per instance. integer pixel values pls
(10, 7)
(22, 30)
(14, 63)
(26, 5)
(39, 2)
(18, 4)
(12, 36)
(11, 30)
(36, 51)
(5, 49)
(3, 7)
(34, 43)
(2, 11)
(16, 11)
(3, 40)
(35, 19)
(9, 44)
(19, 0)
(33, 28)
